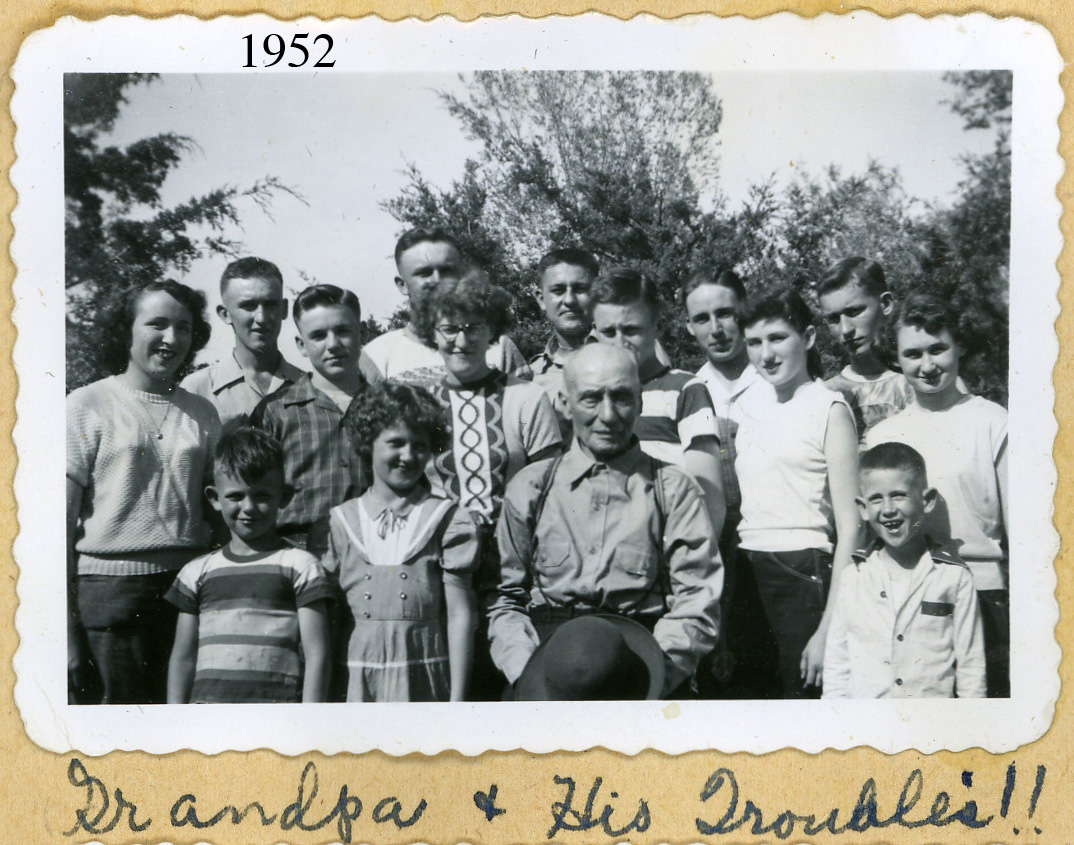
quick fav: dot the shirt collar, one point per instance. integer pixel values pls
(302, 391)
(661, 369)
(228, 371)
(936, 552)
(556, 355)
(749, 377)
(490, 381)
(415, 497)
(577, 465)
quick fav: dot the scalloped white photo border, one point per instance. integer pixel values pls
(785, 43)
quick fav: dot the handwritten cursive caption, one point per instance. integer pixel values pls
(722, 808)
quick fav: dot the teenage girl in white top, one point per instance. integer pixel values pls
(797, 467)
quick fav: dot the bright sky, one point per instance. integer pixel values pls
(342, 141)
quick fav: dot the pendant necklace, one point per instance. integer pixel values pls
(152, 421)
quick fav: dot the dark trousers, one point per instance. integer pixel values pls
(793, 588)
(486, 681)
(996, 621)
(130, 629)
(745, 663)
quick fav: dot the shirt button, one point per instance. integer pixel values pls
(368, 595)
(402, 575)
(402, 595)
(899, 638)
(366, 615)
(883, 594)
(898, 681)
(368, 577)
(592, 550)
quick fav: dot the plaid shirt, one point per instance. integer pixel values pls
(320, 461)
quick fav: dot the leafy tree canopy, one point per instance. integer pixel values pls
(626, 164)
(118, 233)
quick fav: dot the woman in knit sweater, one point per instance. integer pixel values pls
(139, 452)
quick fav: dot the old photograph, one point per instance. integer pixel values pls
(496, 385)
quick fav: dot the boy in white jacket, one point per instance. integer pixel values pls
(906, 623)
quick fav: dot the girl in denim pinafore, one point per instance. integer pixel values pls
(402, 558)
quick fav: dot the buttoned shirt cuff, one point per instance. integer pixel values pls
(513, 642)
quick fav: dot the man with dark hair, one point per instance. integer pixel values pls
(252, 303)
(323, 464)
(566, 276)
(423, 259)
(605, 529)
(677, 423)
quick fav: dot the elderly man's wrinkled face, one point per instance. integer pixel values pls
(603, 395)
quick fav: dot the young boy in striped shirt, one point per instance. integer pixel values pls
(245, 610)
(677, 424)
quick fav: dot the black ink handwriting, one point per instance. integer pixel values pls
(97, 799)
(585, 820)
(486, 803)
(864, 815)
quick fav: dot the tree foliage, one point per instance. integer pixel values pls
(614, 162)
(626, 164)
(118, 233)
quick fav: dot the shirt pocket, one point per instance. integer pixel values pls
(635, 561)
(551, 557)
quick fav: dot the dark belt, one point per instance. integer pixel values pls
(546, 613)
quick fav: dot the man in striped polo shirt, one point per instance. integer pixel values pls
(677, 422)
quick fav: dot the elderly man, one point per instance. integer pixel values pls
(605, 528)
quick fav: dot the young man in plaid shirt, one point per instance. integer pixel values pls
(322, 466)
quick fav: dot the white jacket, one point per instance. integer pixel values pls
(931, 646)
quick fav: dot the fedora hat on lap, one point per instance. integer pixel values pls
(598, 657)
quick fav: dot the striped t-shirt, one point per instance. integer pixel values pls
(676, 415)
(247, 609)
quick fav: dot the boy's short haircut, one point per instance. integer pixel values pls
(721, 277)
(390, 403)
(571, 255)
(319, 296)
(251, 268)
(895, 456)
(623, 285)
(868, 275)
(420, 235)
(248, 453)
(472, 294)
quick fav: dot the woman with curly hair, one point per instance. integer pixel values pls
(498, 423)
(402, 558)
(139, 454)
(963, 439)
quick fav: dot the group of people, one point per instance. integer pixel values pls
(430, 517)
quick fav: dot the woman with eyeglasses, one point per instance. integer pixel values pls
(499, 423)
